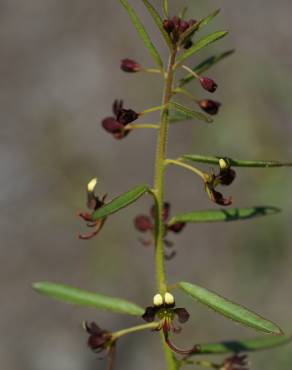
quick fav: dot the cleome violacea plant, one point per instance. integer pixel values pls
(182, 38)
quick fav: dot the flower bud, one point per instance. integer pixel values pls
(129, 65)
(208, 84)
(157, 300)
(111, 125)
(126, 116)
(169, 299)
(177, 227)
(168, 25)
(210, 106)
(143, 223)
(183, 26)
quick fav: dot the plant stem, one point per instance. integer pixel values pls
(141, 125)
(133, 329)
(186, 166)
(159, 176)
(159, 195)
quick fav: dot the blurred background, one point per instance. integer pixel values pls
(60, 73)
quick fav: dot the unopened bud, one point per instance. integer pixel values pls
(208, 84)
(129, 65)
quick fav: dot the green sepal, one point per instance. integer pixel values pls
(84, 298)
(229, 309)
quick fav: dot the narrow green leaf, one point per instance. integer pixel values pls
(142, 32)
(229, 309)
(203, 22)
(159, 22)
(201, 44)
(165, 8)
(80, 297)
(235, 162)
(205, 65)
(183, 12)
(189, 113)
(250, 345)
(120, 202)
(176, 116)
(225, 215)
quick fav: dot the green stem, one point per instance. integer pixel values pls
(159, 195)
(186, 166)
(150, 110)
(133, 329)
(159, 176)
(141, 125)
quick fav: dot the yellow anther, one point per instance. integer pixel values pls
(223, 164)
(168, 298)
(158, 300)
(91, 185)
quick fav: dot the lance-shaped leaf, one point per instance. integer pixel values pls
(249, 345)
(165, 8)
(80, 297)
(142, 32)
(120, 202)
(225, 215)
(229, 309)
(205, 65)
(157, 19)
(176, 116)
(200, 45)
(189, 113)
(195, 27)
(235, 162)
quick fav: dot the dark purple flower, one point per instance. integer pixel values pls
(208, 84)
(99, 340)
(164, 310)
(210, 106)
(225, 177)
(145, 223)
(177, 227)
(176, 28)
(235, 362)
(93, 203)
(117, 125)
(130, 65)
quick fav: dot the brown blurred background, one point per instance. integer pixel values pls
(60, 73)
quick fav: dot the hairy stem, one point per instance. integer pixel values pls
(159, 194)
